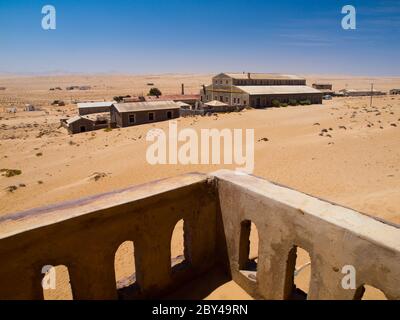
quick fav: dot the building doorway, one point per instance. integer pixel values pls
(83, 129)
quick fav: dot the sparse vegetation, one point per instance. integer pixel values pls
(154, 92)
(305, 102)
(39, 154)
(10, 172)
(108, 129)
(11, 188)
(293, 102)
(275, 103)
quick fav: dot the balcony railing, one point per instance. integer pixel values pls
(217, 210)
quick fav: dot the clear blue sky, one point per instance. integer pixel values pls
(161, 36)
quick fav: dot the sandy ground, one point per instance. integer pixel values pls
(357, 165)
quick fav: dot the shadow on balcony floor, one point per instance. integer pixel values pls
(213, 285)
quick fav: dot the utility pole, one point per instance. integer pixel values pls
(372, 93)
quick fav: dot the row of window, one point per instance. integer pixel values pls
(221, 82)
(151, 116)
(269, 82)
(235, 100)
(261, 82)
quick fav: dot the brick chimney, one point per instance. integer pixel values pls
(248, 75)
(183, 89)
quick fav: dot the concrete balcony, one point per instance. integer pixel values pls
(217, 211)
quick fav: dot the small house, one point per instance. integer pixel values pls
(94, 107)
(135, 113)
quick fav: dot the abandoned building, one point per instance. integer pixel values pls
(325, 88)
(394, 91)
(135, 113)
(78, 124)
(94, 107)
(217, 227)
(322, 86)
(361, 92)
(187, 98)
(258, 90)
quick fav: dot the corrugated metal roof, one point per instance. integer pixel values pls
(95, 104)
(145, 106)
(216, 103)
(173, 97)
(263, 76)
(277, 89)
(73, 119)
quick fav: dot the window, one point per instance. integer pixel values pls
(244, 102)
(125, 266)
(226, 99)
(131, 118)
(298, 274)
(234, 100)
(180, 246)
(56, 283)
(215, 98)
(227, 81)
(151, 116)
(207, 97)
(248, 249)
(238, 100)
(221, 98)
(169, 114)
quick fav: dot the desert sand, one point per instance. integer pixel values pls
(356, 163)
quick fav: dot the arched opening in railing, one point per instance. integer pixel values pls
(179, 245)
(56, 283)
(124, 265)
(298, 274)
(248, 249)
(367, 292)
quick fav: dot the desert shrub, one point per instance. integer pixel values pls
(154, 92)
(275, 103)
(305, 102)
(108, 129)
(10, 172)
(284, 104)
(11, 188)
(39, 154)
(293, 102)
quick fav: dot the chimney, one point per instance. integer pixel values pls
(248, 75)
(204, 89)
(183, 89)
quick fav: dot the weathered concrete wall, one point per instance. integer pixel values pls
(84, 236)
(334, 237)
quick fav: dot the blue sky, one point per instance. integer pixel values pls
(162, 36)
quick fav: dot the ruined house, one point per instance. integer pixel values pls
(135, 113)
